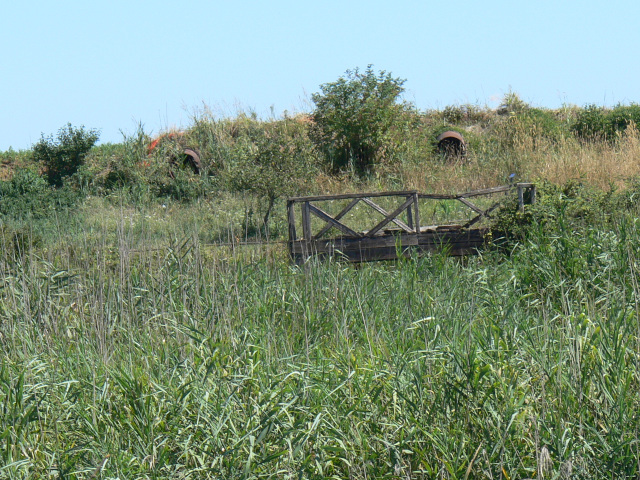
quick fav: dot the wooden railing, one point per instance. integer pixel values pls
(407, 202)
(309, 207)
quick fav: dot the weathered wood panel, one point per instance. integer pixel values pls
(390, 246)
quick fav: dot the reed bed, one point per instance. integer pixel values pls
(134, 351)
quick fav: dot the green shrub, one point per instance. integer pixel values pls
(522, 121)
(541, 122)
(622, 117)
(512, 104)
(11, 160)
(180, 184)
(279, 162)
(353, 116)
(570, 206)
(453, 114)
(590, 123)
(594, 123)
(27, 194)
(62, 156)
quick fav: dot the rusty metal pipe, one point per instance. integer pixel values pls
(451, 143)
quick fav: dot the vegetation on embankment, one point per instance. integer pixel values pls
(133, 348)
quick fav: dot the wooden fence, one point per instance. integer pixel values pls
(398, 231)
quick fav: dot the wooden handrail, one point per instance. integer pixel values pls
(344, 196)
(410, 204)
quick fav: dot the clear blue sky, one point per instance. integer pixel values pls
(113, 64)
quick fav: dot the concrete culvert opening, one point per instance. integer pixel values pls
(451, 144)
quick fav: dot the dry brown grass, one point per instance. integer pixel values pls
(12, 160)
(600, 164)
(5, 172)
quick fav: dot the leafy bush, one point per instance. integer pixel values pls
(453, 114)
(63, 155)
(594, 123)
(571, 206)
(27, 194)
(522, 121)
(12, 159)
(512, 104)
(590, 122)
(181, 184)
(541, 122)
(353, 115)
(622, 117)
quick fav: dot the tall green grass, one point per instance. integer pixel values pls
(131, 349)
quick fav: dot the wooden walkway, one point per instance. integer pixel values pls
(396, 232)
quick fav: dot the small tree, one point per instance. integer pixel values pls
(277, 162)
(353, 116)
(63, 156)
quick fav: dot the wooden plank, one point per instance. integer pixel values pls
(292, 221)
(491, 209)
(362, 243)
(520, 198)
(381, 210)
(438, 196)
(486, 213)
(471, 206)
(486, 191)
(387, 247)
(461, 238)
(345, 196)
(306, 221)
(390, 217)
(473, 193)
(342, 213)
(431, 196)
(327, 218)
(417, 213)
(370, 242)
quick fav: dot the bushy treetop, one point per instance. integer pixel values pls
(353, 115)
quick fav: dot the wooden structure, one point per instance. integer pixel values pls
(398, 232)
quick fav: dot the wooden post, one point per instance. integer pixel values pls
(306, 221)
(409, 217)
(292, 226)
(306, 228)
(292, 221)
(520, 197)
(416, 215)
(530, 198)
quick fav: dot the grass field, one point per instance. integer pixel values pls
(134, 348)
